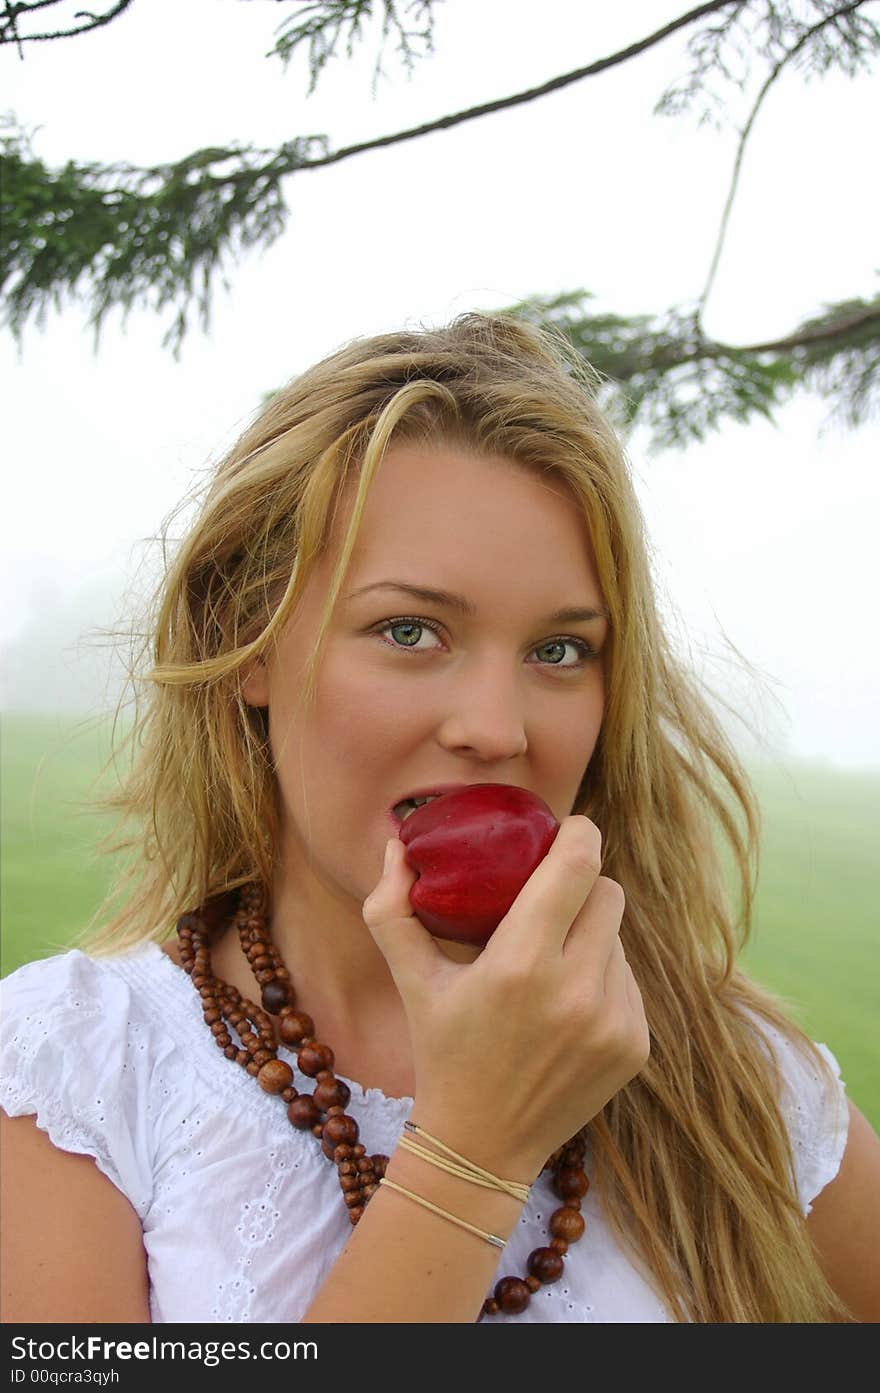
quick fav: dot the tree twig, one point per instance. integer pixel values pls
(744, 136)
(555, 84)
(12, 13)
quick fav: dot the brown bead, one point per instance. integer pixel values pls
(341, 1129)
(313, 1058)
(332, 1093)
(364, 1164)
(230, 1051)
(212, 1016)
(570, 1182)
(218, 1028)
(335, 1110)
(288, 1094)
(317, 1130)
(512, 1295)
(546, 1265)
(353, 1198)
(345, 1167)
(273, 997)
(302, 1112)
(261, 1057)
(559, 1246)
(356, 1213)
(342, 1152)
(490, 1307)
(532, 1283)
(294, 1026)
(380, 1162)
(359, 1150)
(349, 1182)
(566, 1223)
(274, 1076)
(252, 1068)
(369, 1190)
(261, 962)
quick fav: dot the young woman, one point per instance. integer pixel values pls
(423, 568)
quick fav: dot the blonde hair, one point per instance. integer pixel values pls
(692, 1159)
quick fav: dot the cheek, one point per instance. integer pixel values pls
(358, 715)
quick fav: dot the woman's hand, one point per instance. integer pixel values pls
(519, 1049)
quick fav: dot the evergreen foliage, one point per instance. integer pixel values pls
(159, 237)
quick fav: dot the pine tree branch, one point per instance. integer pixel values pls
(159, 235)
(320, 24)
(822, 332)
(11, 13)
(788, 56)
(162, 232)
(663, 373)
(555, 84)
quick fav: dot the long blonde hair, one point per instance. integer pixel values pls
(692, 1159)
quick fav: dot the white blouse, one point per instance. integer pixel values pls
(242, 1213)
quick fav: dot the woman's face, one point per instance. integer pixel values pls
(414, 693)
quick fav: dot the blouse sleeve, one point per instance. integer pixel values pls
(74, 1054)
(816, 1112)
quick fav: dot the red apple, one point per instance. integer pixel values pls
(474, 850)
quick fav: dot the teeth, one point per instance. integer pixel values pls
(409, 805)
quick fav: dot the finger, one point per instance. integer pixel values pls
(617, 972)
(543, 911)
(622, 988)
(404, 942)
(596, 928)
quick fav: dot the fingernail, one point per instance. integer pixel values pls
(389, 855)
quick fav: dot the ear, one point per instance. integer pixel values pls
(254, 684)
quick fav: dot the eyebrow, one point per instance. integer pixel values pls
(574, 614)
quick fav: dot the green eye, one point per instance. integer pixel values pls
(407, 631)
(405, 627)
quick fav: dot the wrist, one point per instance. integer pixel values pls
(472, 1143)
(490, 1211)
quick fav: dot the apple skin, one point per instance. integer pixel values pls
(474, 850)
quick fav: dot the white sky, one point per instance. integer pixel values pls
(764, 537)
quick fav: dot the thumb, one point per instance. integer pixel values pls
(404, 942)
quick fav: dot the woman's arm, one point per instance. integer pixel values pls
(403, 1263)
(72, 1246)
(844, 1222)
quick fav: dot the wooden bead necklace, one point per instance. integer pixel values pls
(323, 1111)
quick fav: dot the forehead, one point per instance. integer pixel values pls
(470, 514)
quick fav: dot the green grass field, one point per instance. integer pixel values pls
(814, 941)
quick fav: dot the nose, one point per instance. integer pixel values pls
(485, 714)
